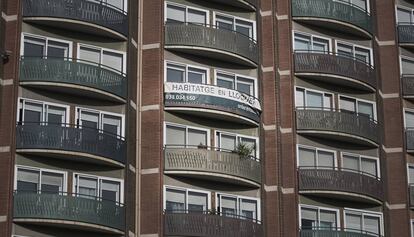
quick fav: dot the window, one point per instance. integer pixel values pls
(312, 217)
(117, 4)
(313, 99)
(30, 179)
(112, 59)
(185, 136)
(405, 15)
(360, 107)
(363, 4)
(410, 173)
(93, 187)
(185, 73)
(108, 122)
(310, 157)
(409, 119)
(237, 82)
(305, 42)
(367, 165)
(39, 46)
(363, 221)
(40, 112)
(407, 65)
(183, 200)
(176, 13)
(354, 51)
(237, 206)
(239, 25)
(230, 142)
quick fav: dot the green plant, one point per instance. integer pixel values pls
(244, 150)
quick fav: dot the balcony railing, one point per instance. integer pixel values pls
(193, 35)
(211, 160)
(335, 64)
(405, 33)
(66, 137)
(340, 179)
(408, 85)
(92, 11)
(411, 193)
(336, 122)
(335, 232)
(66, 207)
(209, 224)
(333, 10)
(73, 71)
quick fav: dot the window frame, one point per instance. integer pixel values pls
(178, 64)
(20, 106)
(298, 146)
(100, 113)
(365, 213)
(41, 170)
(46, 39)
(186, 190)
(254, 32)
(373, 103)
(318, 208)
(315, 91)
(371, 55)
(377, 161)
(186, 127)
(235, 76)
(238, 136)
(294, 32)
(186, 11)
(239, 197)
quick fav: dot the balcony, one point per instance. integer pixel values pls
(341, 183)
(74, 76)
(335, 15)
(331, 232)
(212, 101)
(64, 141)
(88, 16)
(69, 211)
(211, 42)
(208, 224)
(406, 35)
(210, 164)
(245, 4)
(335, 69)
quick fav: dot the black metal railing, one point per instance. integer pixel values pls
(210, 36)
(336, 64)
(335, 232)
(70, 137)
(323, 178)
(405, 32)
(337, 121)
(93, 11)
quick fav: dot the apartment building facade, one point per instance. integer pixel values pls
(206, 118)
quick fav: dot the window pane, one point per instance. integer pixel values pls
(245, 28)
(56, 115)
(111, 124)
(409, 120)
(302, 42)
(350, 162)
(196, 76)
(327, 219)
(89, 120)
(228, 142)
(347, 104)
(369, 166)
(117, 3)
(52, 182)
(300, 98)
(353, 221)
(407, 66)
(251, 143)
(90, 55)
(197, 137)
(224, 23)
(33, 112)
(325, 159)
(175, 136)
(360, 3)
(314, 99)
(175, 14)
(198, 17)
(363, 54)
(197, 201)
(345, 50)
(34, 47)
(88, 187)
(327, 101)
(113, 60)
(307, 158)
(372, 224)
(57, 49)
(175, 74)
(403, 16)
(27, 180)
(110, 190)
(225, 81)
(228, 206)
(309, 218)
(175, 200)
(245, 85)
(411, 174)
(248, 208)
(366, 108)
(320, 45)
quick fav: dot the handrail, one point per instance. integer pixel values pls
(338, 169)
(212, 212)
(334, 54)
(336, 110)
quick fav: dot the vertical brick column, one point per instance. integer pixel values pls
(10, 27)
(390, 114)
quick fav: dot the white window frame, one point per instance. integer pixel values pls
(102, 50)
(178, 64)
(254, 33)
(238, 197)
(371, 55)
(374, 104)
(101, 114)
(43, 103)
(186, 127)
(311, 36)
(46, 38)
(298, 146)
(238, 136)
(318, 208)
(353, 4)
(377, 160)
(98, 178)
(32, 168)
(186, 11)
(235, 75)
(404, 8)
(365, 213)
(186, 190)
(315, 91)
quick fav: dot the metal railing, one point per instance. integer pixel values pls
(340, 179)
(335, 232)
(405, 32)
(92, 11)
(407, 84)
(207, 36)
(73, 71)
(210, 159)
(69, 137)
(68, 207)
(337, 121)
(336, 64)
(211, 224)
(335, 10)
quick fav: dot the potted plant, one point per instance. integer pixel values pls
(244, 150)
